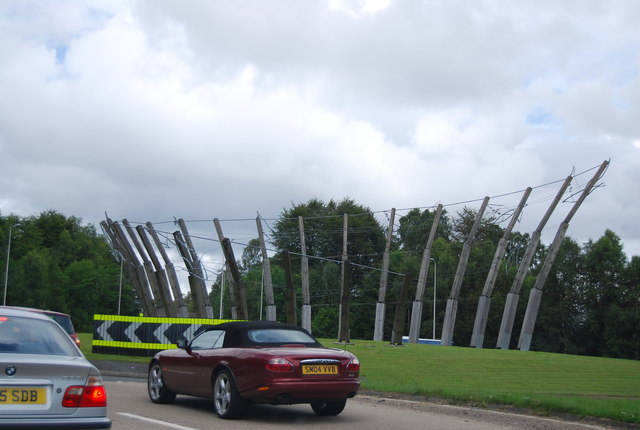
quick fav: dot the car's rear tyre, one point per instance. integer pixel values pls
(158, 391)
(226, 400)
(326, 409)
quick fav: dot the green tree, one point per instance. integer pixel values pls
(462, 224)
(415, 227)
(251, 256)
(603, 291)
(323, 227)
(557, 326)
(629, 331)
(324, 321)
(59, 264)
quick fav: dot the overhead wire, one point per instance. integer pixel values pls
(501, 214)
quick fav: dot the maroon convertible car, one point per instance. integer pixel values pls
(239, 363)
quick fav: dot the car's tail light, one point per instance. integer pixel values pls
(354, 365)
(76, 339)
(279, 365)
(91, 395)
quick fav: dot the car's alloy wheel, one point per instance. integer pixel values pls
(329, 408)
(226, 400)
(158, 391)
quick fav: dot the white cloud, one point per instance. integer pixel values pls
(154, 109)
(356, 8)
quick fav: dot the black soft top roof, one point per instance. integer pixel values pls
(237, 331)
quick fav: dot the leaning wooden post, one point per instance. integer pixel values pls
(511, 304)
(345, 300)
(452, 303)
(401, 312)
(140, 278)
(535, 296)
(482, 312)
(161, 275)
(266, 268)
(416, 310)
(118, 246)
(345, 257)
(290, 306)
(194, 283)
(238, 294)
(158, 302)
(197, 267)
(170, 269)
(227, 270)
(304, 267)
(378, 329)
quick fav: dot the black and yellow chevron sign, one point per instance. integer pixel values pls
(144, 336)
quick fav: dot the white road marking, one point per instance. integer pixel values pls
(151, 420)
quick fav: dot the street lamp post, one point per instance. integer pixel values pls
(435, 275)
(6, 272)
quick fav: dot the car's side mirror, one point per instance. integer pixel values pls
(182, 344)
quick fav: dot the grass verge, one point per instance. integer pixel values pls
(544, 382)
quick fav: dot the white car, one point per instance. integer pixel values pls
(45, 381)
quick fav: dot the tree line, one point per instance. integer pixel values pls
(590, 304)
(59, 264)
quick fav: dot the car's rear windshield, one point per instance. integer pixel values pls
(63, 320)
(276, 336)
(20, 335)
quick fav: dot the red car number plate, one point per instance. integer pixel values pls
(319, 369)
(23, 396)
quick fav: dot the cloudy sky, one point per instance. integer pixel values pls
(155, 109)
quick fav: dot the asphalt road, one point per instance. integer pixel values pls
(131, 409)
